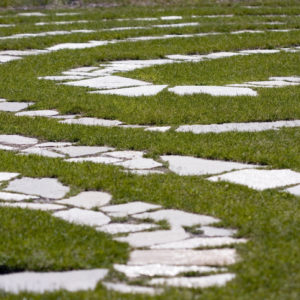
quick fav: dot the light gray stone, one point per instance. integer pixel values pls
(145, 172)
(158, 129)
(75, 151)
(6, 58)
(13, 106)
(87, 200)
(115, 228)
(41, 282)
(187, 165)
(45, 187)
(215, 257)
(92, 122)
(14, 139)
(96, 160)
(83, 217)
(295, 190)
(37, 113)
(32, 14)
(8, 148)
(139, 163)
(130, 289)
(15, 197)
(4, 176)
(53, 144)
(125, 154)
(175, 25)
(260, 179)
(215, 231)
(42, 152)
(34, 206)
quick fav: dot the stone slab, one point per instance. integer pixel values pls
(5, 176)
(216, 231)
(139, 164)
(129, 289)
(37, 113)
(115, 228)
(15, 197)
(158, 129)
(125, 154)
(92, 122)
(75, 151)
(96, 160)
(42, 152)
(14, 139)
(295, 190)
(34, 206)
(13, 106)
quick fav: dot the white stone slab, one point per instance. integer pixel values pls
(32, 14)
(129, 289)
(146, 172)
(260, 179)
(65, 117)
(23, 52)
(212, 90)
(7, 25)
(148, 90)
(6, 58)
(67, 14)
(77, 45)
(239, 127)
(92, 122)
(260, 51)
(34, 206)
(215, 231)
(295, 190)
(41, 282)
(171, 17)
(107, 82)
(87, 200)
(8, 148)
(5, 176)
(132, 126)
(96, 160)
(42, 152)
(75, 151)
(177, 218)
(38, 113)
(215, 257)
(115, 228)
(201, 242)
(158, 129)
(61, 22)
(176, 25)
(187, 165)
(125, 154)
(271, 83)
(129, 208)
(146, 239)
(14, 139)
(290, 78)
(13, 106)
(161, 270)
(53, 144)
(63, 77)
(83, 217)
(44, 187)
(195, 282)
(15, 197)
(139, 163)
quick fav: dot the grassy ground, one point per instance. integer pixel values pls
(269, 268)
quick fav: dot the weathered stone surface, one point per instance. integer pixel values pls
(34, 206)
(13, 106)
(215, 231)
(13, 139)
(42, 152)
(45, 187)
(158, 129)
(125, 154)
(41, 282)
(129, 289)
(38, 113)
(15, 197)
(75, 151)
(295, 190)
(4, 176)
(96, 160)
(7, 148)
(115, 228)
(92, 122)
(139, 163)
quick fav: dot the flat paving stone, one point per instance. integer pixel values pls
(4, 176)
(14, 106)
(213, 90)
(295, 190)
(146, 239)
(214, 257)
(129, 289)
(38, 113)
(6, 58)
(195, 282)
(139, 163)
(158, 129)
(149, 90)
(187, 165)
(175, 25)
(125, 154)
(8, 148)
(75, 151)
(145, 172)
(34, 206)
(42, 152)
(41, 282)
(115, 228)
(215, 231)
(287, 78)
(200, 242)
(83, 217)
(129, 208)
(14, 139)
(96, 160)
(92, 122)
(32, 14)
(162, 270)
(260, 179)
(177, 218)
(15, 197)
(53, 144)
(45, 187)
(87, 200)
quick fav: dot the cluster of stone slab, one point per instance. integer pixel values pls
(160, 256)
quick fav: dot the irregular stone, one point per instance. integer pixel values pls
(63, 77)
(14, 139)
(214, 257)
(270, 83)
(125, 154)
(5, 176)
(41, 282)
(260, 51)
(115, 228)
(15, 197)
(260, 179)
(61, 22)
(146, 239)
(53, 144)
(158, 129)
(213, 90)
(67, 14)
(149, 90)
(130, 289)
(32, 14)
(42, 152)
(34, 206)
(215, 231)
(295, 190)
(175, 25)
(6, 58)
(13, 106)
(139, 163)
(83, 217)
(23, 52)
(162, 270)
(96, 160)
(87, 200)
(290, 78)
(177, 218)
(75, 151)
(200, 242)
(92, 122)
(195, 282)
(187, 165)
(171, 18)
(44, 187)
(8, 148)
(38, 113)
(146, 172)
(65, 117)
(129, 208)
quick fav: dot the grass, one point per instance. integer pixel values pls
(31, 240)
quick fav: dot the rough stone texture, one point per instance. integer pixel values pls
(42, 152)
(187, 165)
(14, 139)
(15, 197)
(129, 289)
(38, 282)
(260, 179)
(44, 187)
(88, 200)
(97, 160)
(75, 151)
(8, 148)
(34, 206)
(195, 282)
(92, 122)
(13, 106)
(215, 257)
(83, 217)
(4, 176)
(38, 113)
(214, 231)
(295, 190)
(125, 154)
(115, 228)
(162, 270)
(158, 129)
(53, 144)
(139, 163)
